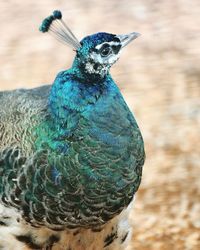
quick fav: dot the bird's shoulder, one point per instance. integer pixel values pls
(23, 99)
(21, 110)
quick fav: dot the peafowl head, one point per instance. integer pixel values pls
(95, 54)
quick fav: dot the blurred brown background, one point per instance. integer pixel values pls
(159, 75)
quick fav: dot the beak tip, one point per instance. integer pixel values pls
(136, 34)
(126, 39)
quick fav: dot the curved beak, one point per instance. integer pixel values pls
(126, 39)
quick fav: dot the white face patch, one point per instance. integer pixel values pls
(110, 43)
(113, 58)
(99, 62)
(102, 64)
(97, 58)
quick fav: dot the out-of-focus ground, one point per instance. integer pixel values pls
(159, 75)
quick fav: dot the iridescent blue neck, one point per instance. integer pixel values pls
(77, 108)
(71, 94)
(71, 101)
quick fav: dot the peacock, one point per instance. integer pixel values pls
(71, 153)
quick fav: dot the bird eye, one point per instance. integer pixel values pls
(105, 50)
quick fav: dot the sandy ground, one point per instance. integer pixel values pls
(159, 76)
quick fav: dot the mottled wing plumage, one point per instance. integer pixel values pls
(20, 111)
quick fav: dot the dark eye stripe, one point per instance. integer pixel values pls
(116, 39)
(105, 45)
(116, 48)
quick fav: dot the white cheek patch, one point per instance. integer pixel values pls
(97, 58)
(104, 63)
(113, 58)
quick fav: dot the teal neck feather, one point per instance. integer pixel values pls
(70, 100)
